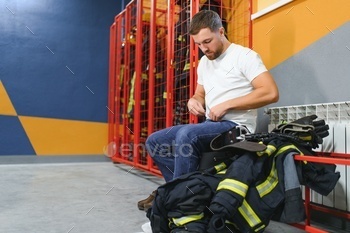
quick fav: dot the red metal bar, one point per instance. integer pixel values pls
(307, 228)
(156, 171)
(312, 229)
(151, 75)
(170, 68)
(333, 154)
(250, 25)
(152, 66)
(332, 158)
(119, 106)
(111, 86)
(327, 160)
(334, 212)
(127, 19)
(137, 85)
(193, 60)
(117, 97)
(307, 206)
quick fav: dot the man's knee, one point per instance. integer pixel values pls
(185, 134)
(150, 143)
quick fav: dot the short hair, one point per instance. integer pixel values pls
(205, 19)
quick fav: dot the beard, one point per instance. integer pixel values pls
(212, 55)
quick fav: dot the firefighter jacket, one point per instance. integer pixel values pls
(240, 195)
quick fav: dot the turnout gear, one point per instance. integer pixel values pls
(243, 193)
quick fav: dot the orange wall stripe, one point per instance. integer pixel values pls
(284, 32)
(65, 137)
(6, 107)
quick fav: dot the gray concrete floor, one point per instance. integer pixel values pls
(54, 195)
(96, 197)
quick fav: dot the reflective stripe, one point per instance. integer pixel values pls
(234, 186)
(272, 180)
(259, 228)
(305, 138)
(283, 149)
(222, 172)
(249, 215)
(131, 97)
(291, 147)
(220, 167)
(184, 220)
(270, 149)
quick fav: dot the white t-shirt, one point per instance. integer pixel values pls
(230, 76)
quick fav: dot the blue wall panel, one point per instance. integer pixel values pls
(13, 139)
(43, 42)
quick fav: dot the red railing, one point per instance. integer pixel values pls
(325, 158)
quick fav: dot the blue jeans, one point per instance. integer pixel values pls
(177, 150)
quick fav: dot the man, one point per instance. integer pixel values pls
(232, 83)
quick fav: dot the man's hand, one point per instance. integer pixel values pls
(217, 112)
(195, 107)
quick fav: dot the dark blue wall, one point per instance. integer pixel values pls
(54, 56)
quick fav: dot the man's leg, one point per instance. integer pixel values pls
(192, 140)
(160, 147)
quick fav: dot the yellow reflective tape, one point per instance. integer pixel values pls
(144, 76)
(159, 75)
(270, 183)
(283, 149)
(186, 219)
(181, 38)
(270, 149)
(132, 88)
(222, 172)
(186, 67)
(234, 186)
(220, 167)
(260, 228)
(305, 138)
(272, 180)
(248, 214)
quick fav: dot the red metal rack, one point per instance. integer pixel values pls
(152, 70)
(325, 158)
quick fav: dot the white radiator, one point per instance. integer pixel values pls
(337, 116)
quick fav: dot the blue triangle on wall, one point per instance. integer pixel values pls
(13, 138)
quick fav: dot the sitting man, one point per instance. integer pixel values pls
(232, 83)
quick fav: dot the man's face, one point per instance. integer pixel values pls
(209, 42)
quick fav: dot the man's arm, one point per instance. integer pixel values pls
(196, 103)
(265, 92)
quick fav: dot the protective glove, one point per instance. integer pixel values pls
(216, 224)
(306, 129)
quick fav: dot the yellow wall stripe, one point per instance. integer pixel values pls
(284, 32)
(65, 137)
(6, 107)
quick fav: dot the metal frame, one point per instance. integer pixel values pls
(121, 131)
(326, 158)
